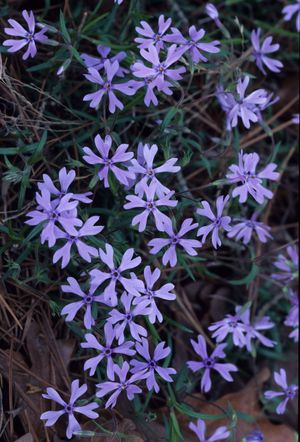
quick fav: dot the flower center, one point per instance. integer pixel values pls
(174, 239)
(29, 36)
(149, 293)
(128, 317)
(107, 351)
(161, 68)
(152, 364)
(69, 408)
(107, 85)
(209, 362)
(218, 222)
(150, 172)
(290, 393)
(123, 386)
(150, 205)
(115, 274)
(88, 299)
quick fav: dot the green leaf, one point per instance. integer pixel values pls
(249, 278)
(63, 28)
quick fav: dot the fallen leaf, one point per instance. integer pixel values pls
(26, 438)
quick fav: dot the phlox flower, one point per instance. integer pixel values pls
(65, 180)
(107, 162)
(231, 325)
(292, 319)
(147, 173)
(160, 70)
(217, 221)
(69, 408)
(289, 11)
(287, 266)
(115, 275)
(152, 295)
(260, 52)
(105, 351)
(209, 363)
(199, 429)
(150, 37)
(254, 436)
(85, 251)
(211, 11)
(253, 331)
(126, 383)
(150, 364)
(51, 213)
(150, 205)
(246, 107)
(245, 229)
(107, 86)
(288, 391)
(125, 317)
(88, 298)
(175, 240)
(296, 119)
(193, 44)
(98, 62)
(150, 84)
(251, 181)
(26, 37)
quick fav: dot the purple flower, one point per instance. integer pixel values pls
(251, 181)
(160, 70)
(107, 87)
(149, 37)
(65, 180)
(98, 62)
(246, 107)
(199, 429)
(150, 206)
(260, 52)
(289, 391)
(244, 230)
(88, 298)
(152, 295)
(253, 331)
(288, 12)
(147, 172)
(27, 37)
(192, 43)
(288, 266)
(109, 163)
(131, 285)
(50, 213)
(150, 366)
(127, 317)
(292, 319)
(218, 221)
(209, 363)
(85, 251)
(105, 351)
(230, 325)
(150, 85)
(69, 408)
(124, 384)
(296, 119)
(254, 436)
(175, 240)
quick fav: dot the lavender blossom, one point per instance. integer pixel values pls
(254, 436)
(26, 37)
(126, 318)
(175, 240)
(149, 37)
(288, 12)
(152, 295)
(192, 44)
(69, 408)
(88, 298)
(107, 87)
(230, 325)
(292, 319)
(98, 62)
(150, 205)
(109, 163)
(160, 70)
(65, 180)
(244, 230)
(125, 384)
(289, 391)
(211, 11)
(246, 107)
(105, 351)
(287, 266)
(50, 213)
(85, 251)
(131, 285)
(209, 363)
(147, 172)
(150, 84)
(254, 331)
(218, 221)
(296, 119)
(199, 429)
(260, 52)
(151, 366)
(251, 181)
